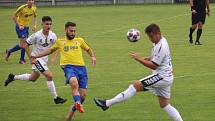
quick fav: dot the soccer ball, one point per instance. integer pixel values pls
(133, 35)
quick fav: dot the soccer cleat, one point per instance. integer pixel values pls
(59, 100)
(198, 43)
(7, 55)
(10, 78)
(101, 103)
(70, 115)
(190, 39)
(79, 107)
(22, 62)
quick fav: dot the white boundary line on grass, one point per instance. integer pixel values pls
(96, 84)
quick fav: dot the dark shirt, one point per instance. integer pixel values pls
(199, 5)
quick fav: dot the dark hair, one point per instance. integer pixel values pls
(70, 24)
(152, 28)
(46, 18)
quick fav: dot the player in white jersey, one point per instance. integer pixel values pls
(160, 81)
(41, 41)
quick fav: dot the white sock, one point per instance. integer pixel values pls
(22, 77)
(130, 92)
(52, 89)
(173, 113)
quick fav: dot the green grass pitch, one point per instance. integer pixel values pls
(104, 28)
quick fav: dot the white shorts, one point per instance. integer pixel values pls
(157, 84)
(40, 66)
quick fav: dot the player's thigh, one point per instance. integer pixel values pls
(34, 76)
(82, 77)
(40, 66)
(195, 19)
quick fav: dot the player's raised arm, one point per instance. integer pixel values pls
(145, 61)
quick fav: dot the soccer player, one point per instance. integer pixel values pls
(71, 61)
(198, 9)
(41, 40)
(22, 18)
(159, 81)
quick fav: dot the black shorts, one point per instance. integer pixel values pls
(198, 17)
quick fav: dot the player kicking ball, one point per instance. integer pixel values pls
(72, 62)
(159, 81)
(41, 40)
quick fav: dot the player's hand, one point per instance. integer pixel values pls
(147, 58)
(21, 27)
(135, 55)
(34, 28)
(194, 11)
(32, 60)
(93, 60)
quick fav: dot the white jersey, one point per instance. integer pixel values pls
(161, 57)
(40, 42)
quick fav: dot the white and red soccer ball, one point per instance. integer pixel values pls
(133, 35)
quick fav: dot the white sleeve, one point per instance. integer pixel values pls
(159, 55)
(54, 39)
(31, 40)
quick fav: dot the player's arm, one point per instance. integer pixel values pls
(44, 53)
(208, 7)
(27, 49)
(54, 58)
(35, 21)
(192, 7)
(16, 14)
(92, 56)
(145, 61)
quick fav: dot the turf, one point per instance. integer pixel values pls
(104, 28)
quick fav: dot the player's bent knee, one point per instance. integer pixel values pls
(74, 84)
(138, 85)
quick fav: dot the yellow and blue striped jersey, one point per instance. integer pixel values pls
(24, 13)
(71, 51)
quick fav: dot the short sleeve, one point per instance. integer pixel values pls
(54, 39)
(31, 40)
(20, 9)
(84, 45)
(159, 55)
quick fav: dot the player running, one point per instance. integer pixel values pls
(72, 63)
(41, 40)
(22, 19)
(161, 79)
(198, 9)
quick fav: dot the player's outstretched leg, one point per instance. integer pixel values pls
(128, 93)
